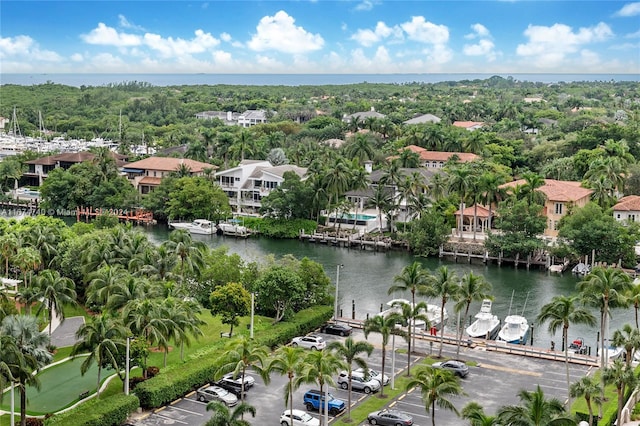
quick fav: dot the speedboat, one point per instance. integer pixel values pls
(612, 352)
(578, 346)
(432, 313)
(486, 325)
(233, 229)
(515, 330)
(198, 226)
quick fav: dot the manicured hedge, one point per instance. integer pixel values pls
(173, 383)
(111, 411)
(280, 228)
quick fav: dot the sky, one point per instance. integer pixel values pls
(320, 36)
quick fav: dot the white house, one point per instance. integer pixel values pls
(252, 117)
(627, 209)
(251, 180)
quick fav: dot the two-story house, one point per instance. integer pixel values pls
(437, 159)
(250, 181)
(146, 175)
(560, 195)
(39, 168)
(627, 209)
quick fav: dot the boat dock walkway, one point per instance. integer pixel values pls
(138, 216)
(350, 241)
(494, 346)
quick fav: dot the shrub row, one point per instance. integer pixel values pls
(173, 383)
(277, 228)
(110, 411)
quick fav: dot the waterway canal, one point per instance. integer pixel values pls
(366, 275)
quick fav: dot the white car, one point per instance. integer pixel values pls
(311, 341)
(216, 393)
(375, 374)
(300, 418)
(248, 380)
(358, 382)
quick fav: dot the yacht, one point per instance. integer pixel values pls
(486, 325)
(432, 313)
(612, 352)
(515, 330)
(198, 226)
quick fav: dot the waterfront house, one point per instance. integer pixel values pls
(250, 181)
(146, 175)
(437, 159)
(627, 209)
(39, 168)
(559, 195)
(362, 116)
(246, 119)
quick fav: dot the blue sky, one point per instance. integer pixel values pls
(310, 37)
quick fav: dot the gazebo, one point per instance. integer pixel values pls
(481, 215)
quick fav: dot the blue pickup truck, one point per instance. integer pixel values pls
(314, 400)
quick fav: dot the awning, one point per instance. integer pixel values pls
(125, 169)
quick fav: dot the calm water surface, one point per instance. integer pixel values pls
(366, 276)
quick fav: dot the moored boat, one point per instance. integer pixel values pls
(486, 325)
(515, 330)
(198, 226)
(612, 352)
(432, 313)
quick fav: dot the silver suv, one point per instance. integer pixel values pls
(358, 382)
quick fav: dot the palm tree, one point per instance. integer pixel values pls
(621, 376)
(414, 279)
(602, 287)
(32, 344)
(386, 326)
(360, 148)
(222, 416)
(436, 386)
(535, 410)
(490, 192)
(103, 338)
(410, 314)
(336, 181)
(287, 360)
(190, 252)
(382, 200)
(240, 354)
(445, 285)
(350, 352)
(589, 388)
(563, 311)
(533, 181)
(55, 291)
(461, 181)
(472, 288)
(11, 362)
(8, 246)
(320, 367)
(144, 317)
(102, 283)
(633, 296)
(27, 259)
(629, 339)
(476, 415)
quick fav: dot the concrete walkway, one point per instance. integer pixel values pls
(63, 332)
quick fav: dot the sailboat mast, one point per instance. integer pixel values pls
(525, 303)
(511, 303)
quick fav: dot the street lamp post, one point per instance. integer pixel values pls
(13, 421)
(393, 358)
(126, 373)
(253, 304)
(335, 302)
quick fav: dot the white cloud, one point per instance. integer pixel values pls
(280, 33)
(104, 35)
(368, 37)
(23, 46)
(482, 48)
(425, 32)
(77, 57)
(365, 5)
(629, 9)
(226, 37)
(633, 35)
(439, 54)
(548, 47)
(124, 23)
(170, 47)
(479, 30)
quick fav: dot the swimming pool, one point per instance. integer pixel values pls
(352, 216)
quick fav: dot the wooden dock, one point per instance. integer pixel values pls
(138, 216)
(485, 258)
(350, 241)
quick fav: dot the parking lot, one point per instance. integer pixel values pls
(493, 382)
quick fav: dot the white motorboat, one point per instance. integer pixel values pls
(486, 325)
(515, 330)
(233, 229)
(198, 226)
(612, 352)
(432, 313)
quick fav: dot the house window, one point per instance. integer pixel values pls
(618, 216)
(632, 218)
(559, 208)
(154, 173)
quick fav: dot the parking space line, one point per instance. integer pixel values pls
(187, 411)
(509, 370)
(172, 419)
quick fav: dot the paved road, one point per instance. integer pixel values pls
(493, 382)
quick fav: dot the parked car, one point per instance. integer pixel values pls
(458, 368)
(314, 400)
(216, 393)
(337, 329)
(388, 417)
(311, 341)
(249, 381)
(383, 379)
(300, 418)
(359, 382)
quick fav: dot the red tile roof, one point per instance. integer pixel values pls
(630, 203)
(148, 180)
(169, 164)
(481, 212)
(467, 124)
(426, 155)
(557, 190)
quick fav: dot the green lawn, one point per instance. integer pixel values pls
(60, 386)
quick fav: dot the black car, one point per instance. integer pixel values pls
(339, 329)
